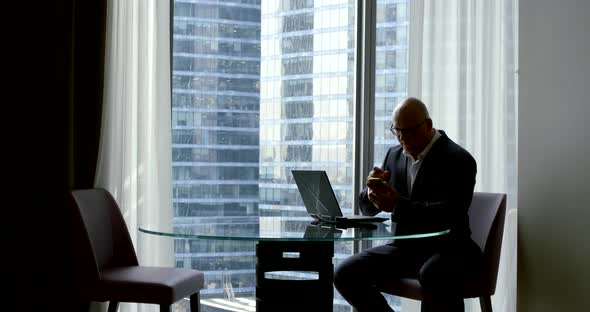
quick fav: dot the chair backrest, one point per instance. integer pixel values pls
(486, 218)
(101, 238)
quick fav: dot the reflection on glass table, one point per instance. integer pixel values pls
(294, 257)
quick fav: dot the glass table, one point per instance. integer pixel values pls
(291, 244)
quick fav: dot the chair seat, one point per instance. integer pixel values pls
(158, 285)
(106, 266)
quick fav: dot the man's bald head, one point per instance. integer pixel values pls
(411, 107)
(412, 125)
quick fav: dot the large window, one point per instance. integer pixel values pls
(391, 69)
(261, 88)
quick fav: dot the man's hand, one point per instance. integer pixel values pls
(380, 193)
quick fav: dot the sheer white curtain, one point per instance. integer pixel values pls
(463, 65)
(135, 152)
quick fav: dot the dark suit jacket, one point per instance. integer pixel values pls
(441, 194)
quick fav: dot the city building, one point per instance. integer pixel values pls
(260, 88)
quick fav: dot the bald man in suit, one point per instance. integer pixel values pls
(426, 183)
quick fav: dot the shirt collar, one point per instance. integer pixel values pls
(427, 148)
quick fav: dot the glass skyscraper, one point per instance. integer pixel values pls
(260, 88)
(215, 129)
(306, 110)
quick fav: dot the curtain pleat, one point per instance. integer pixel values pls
(134, 161)
(86, 76)
(86, 90)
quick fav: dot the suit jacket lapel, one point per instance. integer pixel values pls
(402, 179)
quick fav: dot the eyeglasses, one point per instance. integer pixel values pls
(397, 131)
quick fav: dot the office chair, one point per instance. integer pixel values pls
(106, 266)
(486, 219)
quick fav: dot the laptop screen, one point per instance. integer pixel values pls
(317, 193)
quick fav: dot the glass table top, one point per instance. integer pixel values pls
(282, 229)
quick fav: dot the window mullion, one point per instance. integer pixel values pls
(365, 93)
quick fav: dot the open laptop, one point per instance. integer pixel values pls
(320, 201)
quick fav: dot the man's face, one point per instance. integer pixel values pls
(412, 131)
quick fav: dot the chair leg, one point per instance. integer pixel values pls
(165, 308)
(485, 303)
(195, 302)
(113, 306)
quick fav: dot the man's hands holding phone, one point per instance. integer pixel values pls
(380, 193)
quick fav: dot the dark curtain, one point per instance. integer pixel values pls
(51, 136)
(86, 90)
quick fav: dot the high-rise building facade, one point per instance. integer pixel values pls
(260, 88)
(215, 135)
(306, 99)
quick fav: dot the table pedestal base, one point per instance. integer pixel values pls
(302, 295)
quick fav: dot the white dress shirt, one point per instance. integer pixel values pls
(413, 165)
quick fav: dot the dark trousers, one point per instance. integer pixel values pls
(440, 272)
